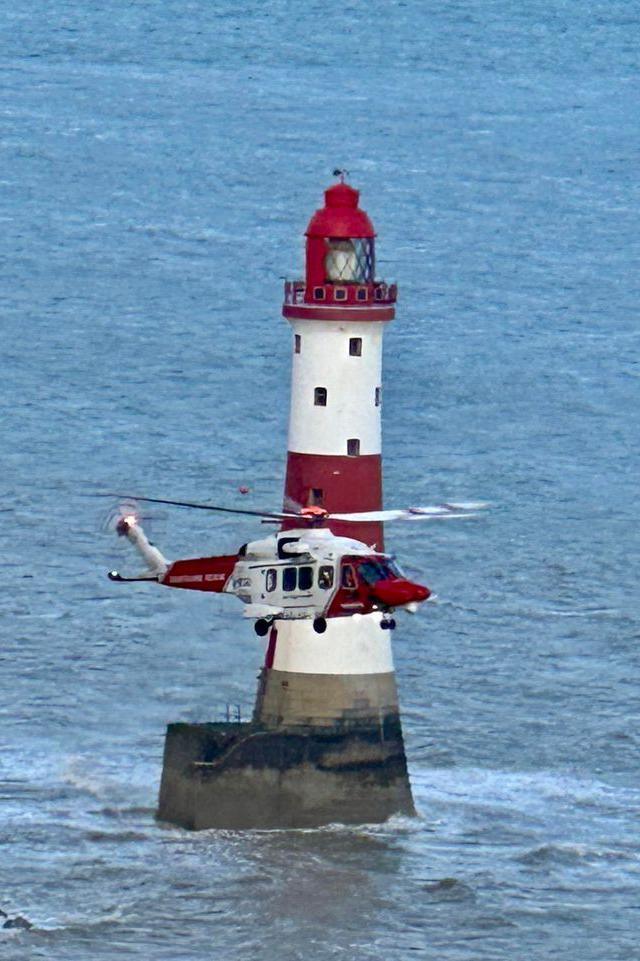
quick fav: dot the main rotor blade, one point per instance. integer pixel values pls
(274, 515)
(439, 512)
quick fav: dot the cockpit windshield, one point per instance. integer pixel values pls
(373, 571)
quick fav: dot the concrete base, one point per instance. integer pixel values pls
(321, 749)
(245, 776)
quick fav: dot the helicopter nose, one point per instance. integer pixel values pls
(399, 592)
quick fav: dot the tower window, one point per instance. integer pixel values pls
(378, 396)
(320, 397)
(355, 346)
(353, 447)
(297, 343)
(316, 497)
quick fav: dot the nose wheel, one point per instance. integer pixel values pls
(261, 626)
(388, 624)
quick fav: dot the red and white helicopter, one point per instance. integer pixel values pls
(305, 572)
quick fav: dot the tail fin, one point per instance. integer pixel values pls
(156, 562)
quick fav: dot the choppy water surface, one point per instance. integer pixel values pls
(159, 164)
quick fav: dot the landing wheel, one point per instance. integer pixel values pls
(384, 625)
(320, 625)
(391, 624)
(261, 627)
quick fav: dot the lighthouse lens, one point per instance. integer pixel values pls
(349, 260)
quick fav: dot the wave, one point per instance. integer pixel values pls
(126, 811)
(395, 825)
(115, 837)
(520, 789)
(571, 854)
(76, 775)
(449, 889)
(85, 775)
(77, 925)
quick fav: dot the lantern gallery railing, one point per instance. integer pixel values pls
(296, 292)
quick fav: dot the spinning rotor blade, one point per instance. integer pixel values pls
(438, 512)
(125, 508)
(272, 515)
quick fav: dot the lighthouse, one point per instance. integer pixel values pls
(325, 742)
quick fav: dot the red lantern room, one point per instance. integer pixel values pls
(340, 262)
(340, 242)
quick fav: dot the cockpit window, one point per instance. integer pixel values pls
(373, 571)
(369, 573)
(305, 578)
(348, 576)
(271, 579)
(325, 578)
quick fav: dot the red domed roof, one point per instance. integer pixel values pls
(340, 216)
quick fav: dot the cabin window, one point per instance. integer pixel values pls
(348, 577)
(325, 578)
(271, 579)
(361, 293)
(297, 343)
(355, 346)
(378, 396)
(318, 293)
(340, 293)
(305, 578)
(289, 578)
(353, 447)
(320, 397)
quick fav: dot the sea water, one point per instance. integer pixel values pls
(160, 161)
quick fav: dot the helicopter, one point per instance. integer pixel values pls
(304, 572)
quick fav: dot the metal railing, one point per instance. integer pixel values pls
(352, 295)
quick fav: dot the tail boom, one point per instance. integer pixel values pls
(200, 573)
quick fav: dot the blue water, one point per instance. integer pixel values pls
(159, 163)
